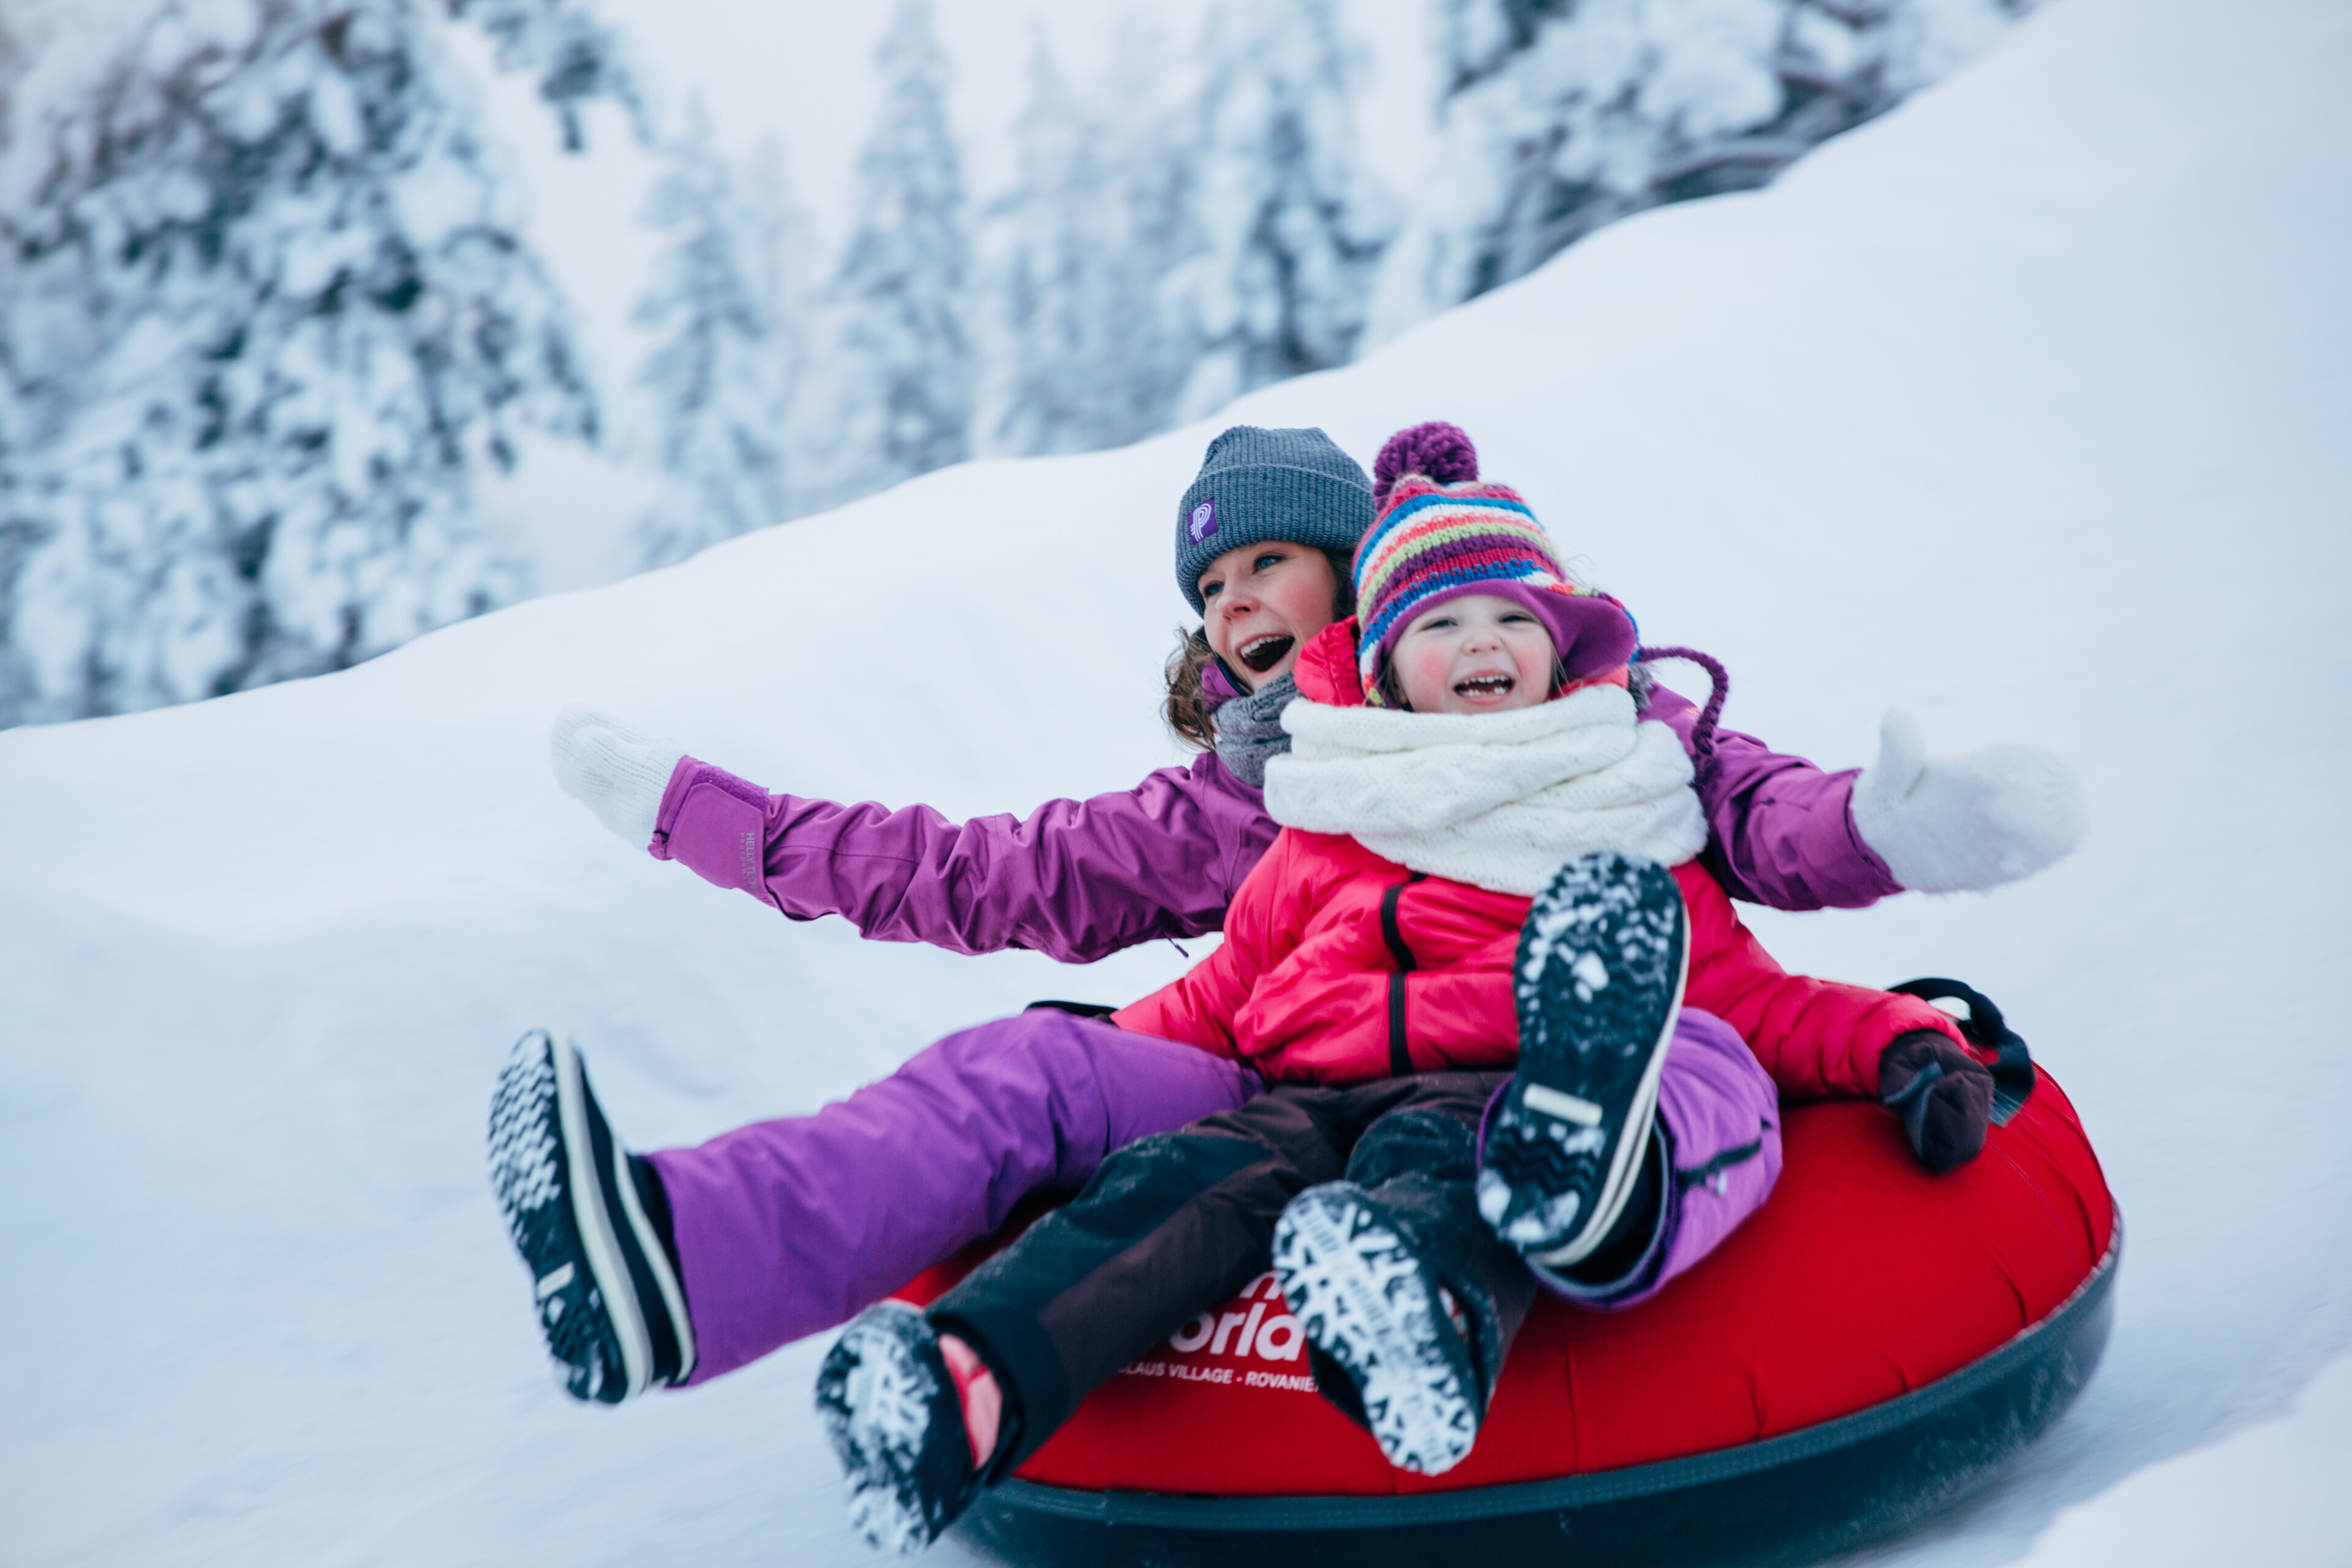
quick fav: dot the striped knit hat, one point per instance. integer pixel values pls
(1435, 541)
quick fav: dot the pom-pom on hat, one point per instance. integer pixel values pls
(1435, 541)
(1435, 450)
(1259, 485)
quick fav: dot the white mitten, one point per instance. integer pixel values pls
(1946, 824)
(616, 772)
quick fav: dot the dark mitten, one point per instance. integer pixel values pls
(1943, 1094)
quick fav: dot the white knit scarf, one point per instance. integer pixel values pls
(1497, 800)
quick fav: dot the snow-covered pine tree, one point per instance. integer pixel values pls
(897, 396)
(262, 321)
(577, 59)
(1563, 115)
(1081, 354)
(1292, 220)
(721, 373)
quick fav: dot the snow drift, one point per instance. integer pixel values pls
(2024, 407)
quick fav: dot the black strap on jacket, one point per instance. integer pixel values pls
(2013, 1064)
(1076, 1009)
(1400, 1054)
(1698, 1175)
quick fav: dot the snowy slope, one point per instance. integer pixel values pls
(2278, 1482)
(2024, 406)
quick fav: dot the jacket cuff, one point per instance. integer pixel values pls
(715, 825)
(1889, 885)
(1906, 1021)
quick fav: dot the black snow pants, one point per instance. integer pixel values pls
(1174, 1224)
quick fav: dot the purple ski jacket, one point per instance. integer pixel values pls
(1080, 880)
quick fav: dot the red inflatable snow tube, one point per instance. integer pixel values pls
(1873, 1340)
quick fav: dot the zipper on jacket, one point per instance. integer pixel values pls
(1400, 1054)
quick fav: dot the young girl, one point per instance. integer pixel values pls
(705, 1259)
(1384, 966)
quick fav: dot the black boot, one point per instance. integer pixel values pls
(591, 1225)
(1598, 981)
(1410, 1197)
(1348, 1269)
(896, 1421)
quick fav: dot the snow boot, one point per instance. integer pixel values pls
(582, 1213)
(893, 1413)
(1602, 962)
(1375, 1310)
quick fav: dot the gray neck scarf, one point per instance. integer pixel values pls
(1250, 732)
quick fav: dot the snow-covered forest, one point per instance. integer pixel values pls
(295, 362)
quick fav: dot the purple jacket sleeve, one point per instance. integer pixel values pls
(1076, 879)
(1781, 831)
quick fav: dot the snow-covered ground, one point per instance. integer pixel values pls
(2271, 1493)
(2025, 406)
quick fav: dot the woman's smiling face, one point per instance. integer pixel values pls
(1479, 653)
(1264, 601)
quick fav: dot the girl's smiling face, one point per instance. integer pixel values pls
(1264, 601)
(1480, 653)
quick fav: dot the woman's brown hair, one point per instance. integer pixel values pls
(1187, 708)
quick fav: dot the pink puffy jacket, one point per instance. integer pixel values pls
(1340, 966)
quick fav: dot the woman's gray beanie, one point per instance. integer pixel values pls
(1259, 485)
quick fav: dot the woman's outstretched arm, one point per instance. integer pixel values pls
(1080, 880)
(1075, 879)
(1781, 831)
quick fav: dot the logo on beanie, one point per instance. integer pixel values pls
(1202, 522)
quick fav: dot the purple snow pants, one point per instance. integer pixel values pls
(788, 1227)
(1720, 1119)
